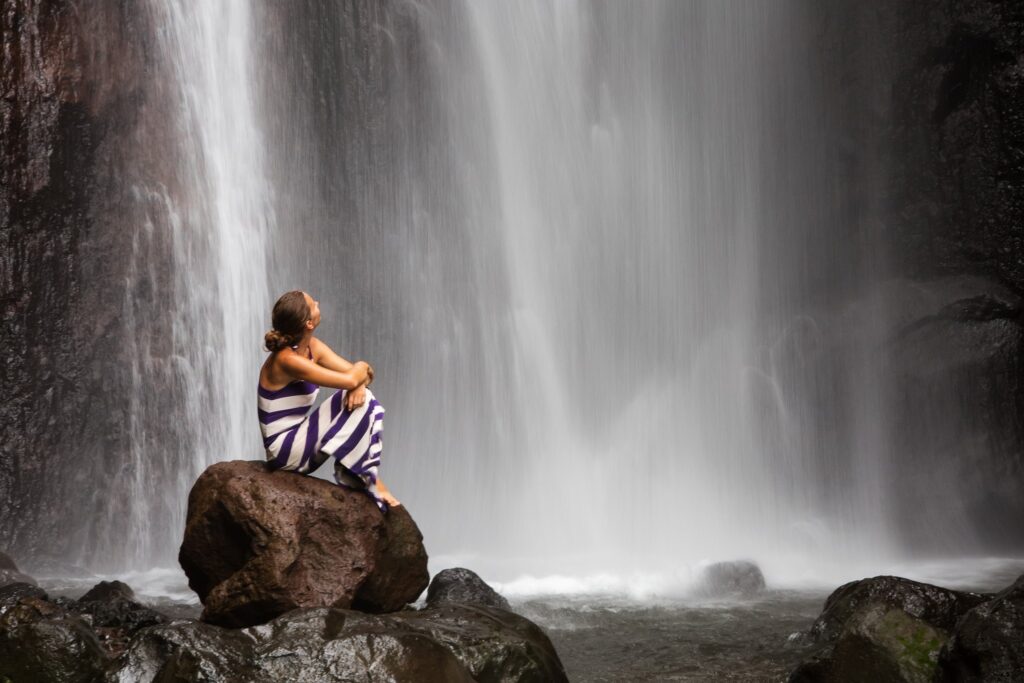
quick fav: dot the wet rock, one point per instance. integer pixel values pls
(40, 641)
(730, 579)
(108, 590)
(400, 574)
(464, 586)
(939, 607)
(955, 140)
(886, 628)
(119, 613)
(327, 644)
(12, 593)
(114, 614)
(879, 644)
(186, 651)
(304, 645)
(73, 79)
(492, 643)
(449, 643)
(259, 543)
(988, 643)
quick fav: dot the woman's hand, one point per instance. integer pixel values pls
(355, 398)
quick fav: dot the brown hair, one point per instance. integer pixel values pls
(289, 320)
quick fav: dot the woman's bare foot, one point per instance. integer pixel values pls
(385, 494)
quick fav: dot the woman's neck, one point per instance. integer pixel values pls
(302, 346)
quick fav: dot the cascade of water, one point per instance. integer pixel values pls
(191, 370)
(657, 182)
(583, 245)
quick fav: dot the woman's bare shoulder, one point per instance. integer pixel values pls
(273, 371)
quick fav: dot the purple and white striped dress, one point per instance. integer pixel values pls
(300, 440)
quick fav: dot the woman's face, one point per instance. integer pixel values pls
(314, 310)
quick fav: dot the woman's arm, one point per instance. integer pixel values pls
(323, 355)
(303, 368)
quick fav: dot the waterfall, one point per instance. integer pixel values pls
(608, 248)
(600, 257)
(198, 320)
(664, 189)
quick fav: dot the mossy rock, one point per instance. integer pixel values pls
(879, 644)
(940, 607)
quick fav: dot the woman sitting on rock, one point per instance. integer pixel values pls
(346, 427)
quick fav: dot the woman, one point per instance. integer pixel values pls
(346, 427)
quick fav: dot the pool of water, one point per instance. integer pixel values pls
(615, 638)
(606, 640)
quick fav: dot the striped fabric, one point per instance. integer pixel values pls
(299, 440)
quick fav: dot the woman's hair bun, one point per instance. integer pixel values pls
(275, 341)
(289, 321)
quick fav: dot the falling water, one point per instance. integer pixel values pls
(657, 184)
(600, 257)
(205, 320)
(602, 260)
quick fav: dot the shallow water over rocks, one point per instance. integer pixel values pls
(606, 636)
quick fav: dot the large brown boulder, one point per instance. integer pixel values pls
(260, 543)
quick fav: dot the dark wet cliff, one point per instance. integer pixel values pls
(73, 78)
(955, 218)
(959, 115)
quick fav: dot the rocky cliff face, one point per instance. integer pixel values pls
(955, 222)
(74, 79)
(960, 130)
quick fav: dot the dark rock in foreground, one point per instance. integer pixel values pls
(185, 651)
(63, 640)
(464, 586)
(451, 643)
(877, 643)
(492, 643)
(730, 579)
(12, 593)
(940, 607)
(259, 543)
(988, 644)
(894, 629)
(41, 642)
(311, 645)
